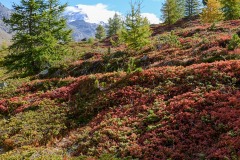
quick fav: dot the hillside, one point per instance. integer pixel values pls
(5, 35)
(179, 99)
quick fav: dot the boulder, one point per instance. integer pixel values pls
(3, 85)
(44, 73)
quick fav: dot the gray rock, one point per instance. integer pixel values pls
(43, 73)
(159, 47)
(144, 58)
(3, 85)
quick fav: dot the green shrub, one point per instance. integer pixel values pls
(28, 153)
(131, 66)
(169, 39)
(37, 125)
(12, 85)
(234, 42)
(90, 40)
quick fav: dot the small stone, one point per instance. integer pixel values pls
(144, 58)
(43, 73)
(158, 46)
(3, 85)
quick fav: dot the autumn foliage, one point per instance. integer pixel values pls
(213, 12)
(183, 104)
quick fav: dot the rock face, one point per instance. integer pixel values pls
(5, 34)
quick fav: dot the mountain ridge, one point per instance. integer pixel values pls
(77, 21)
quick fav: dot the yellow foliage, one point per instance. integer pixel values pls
(212, 13)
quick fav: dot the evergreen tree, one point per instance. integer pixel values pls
(231, 9)
(115, 25)
(172, 11)
(101, 33)
(56, 24)
(191, 8)
(212, 13)
(136, 29)
(181, 8)
(38, 27)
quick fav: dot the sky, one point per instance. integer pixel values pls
(104, 9)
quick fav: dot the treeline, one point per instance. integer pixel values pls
(172, 10)
(213, 10)
(41, 34)
(134, 31)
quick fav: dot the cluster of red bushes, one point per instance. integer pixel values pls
(171, 112)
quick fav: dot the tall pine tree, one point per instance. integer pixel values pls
(191, 8)
(114, 25)
(100, 32)
(213, 12)
(136, 29)
(231, 9)
(40, 35)
(172, 11)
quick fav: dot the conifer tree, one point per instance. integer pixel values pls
(100, 32)
(191, 8)
(115, 25)
(172, 11)
(56, 24)
(231, 9)
(181, 8)
(212, 13)
(40, 35)
(136, 29)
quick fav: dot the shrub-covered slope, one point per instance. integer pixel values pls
(183, 104)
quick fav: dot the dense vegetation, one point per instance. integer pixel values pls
(175, 97)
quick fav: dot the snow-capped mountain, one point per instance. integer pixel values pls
(75, 16)
(82, 25)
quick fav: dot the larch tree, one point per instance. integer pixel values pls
(100, 32)
(213, 12)
(136, 30)
(191, 8)
(114, 25)
(172, 10)
(38, 39)
(231, 9)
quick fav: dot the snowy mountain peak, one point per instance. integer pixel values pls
(97, 14)
(75, 14)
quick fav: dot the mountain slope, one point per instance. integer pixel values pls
(82, 29)
(5, 35)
